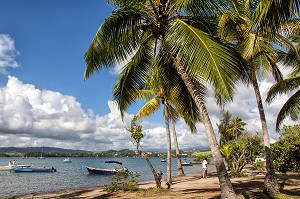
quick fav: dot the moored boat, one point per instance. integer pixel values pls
(13, 164)
(104, 171)
(67, 160)
(187, 164)
(101, 171)
(34, 169)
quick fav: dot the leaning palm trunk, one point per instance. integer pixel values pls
(157, 181)
(179, 165)
(166, 115)
(225, 183)
(270, 184)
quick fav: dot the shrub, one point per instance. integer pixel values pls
(125, 181)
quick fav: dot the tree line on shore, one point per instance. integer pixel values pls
(108, 153)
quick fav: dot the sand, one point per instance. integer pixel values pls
(190, 186)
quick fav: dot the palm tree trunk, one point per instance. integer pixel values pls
(225, 183)
(179, 165)
(166, 115)
(270, 184)
(157, 181)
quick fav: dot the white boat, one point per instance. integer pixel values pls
(186, 163)
(12, 165)
(67, 160)
(41, 157)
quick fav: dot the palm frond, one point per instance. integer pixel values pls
(271, 14)
(290, 108)
(115, 41)
(133, 78)
(150, 107)
(201, 7)
(205, 58)
(288, 84)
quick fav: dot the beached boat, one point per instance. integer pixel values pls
(34, 169)
(67, 160)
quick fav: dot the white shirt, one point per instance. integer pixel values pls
(204, 164)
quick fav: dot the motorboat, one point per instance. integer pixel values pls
(101, 171)
(105, 171)
(34, 169)
(186, 163)
(13, 164)
(67, 160)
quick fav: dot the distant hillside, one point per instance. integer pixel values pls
(39, 149)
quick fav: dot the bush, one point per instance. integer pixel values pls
(259, 165)
(125, 181)
(236, 174)
(286, 151)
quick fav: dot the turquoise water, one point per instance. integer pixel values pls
(74, 175)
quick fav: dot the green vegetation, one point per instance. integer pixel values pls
(125, 181)
(238, 147)
(286, 151)
(200, 156)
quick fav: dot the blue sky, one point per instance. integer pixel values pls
(52, 37)
(44, 100)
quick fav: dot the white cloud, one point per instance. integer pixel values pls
(8, 53)
(33, 117)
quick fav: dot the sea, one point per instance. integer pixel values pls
(74, 175)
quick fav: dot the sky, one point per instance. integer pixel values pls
(44, 100)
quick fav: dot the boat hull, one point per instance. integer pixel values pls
(9, 168)
(186, 164)
(101, 171)
(6, 168)
(67, 160)
(42, 169)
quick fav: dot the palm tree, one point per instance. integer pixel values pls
(180, 98)
(223, 126)
(242, 26)
(227, 153)
(147, 32)
(236, 127)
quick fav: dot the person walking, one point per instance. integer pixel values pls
(204, 166)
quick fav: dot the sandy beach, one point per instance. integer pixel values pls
(190, 186)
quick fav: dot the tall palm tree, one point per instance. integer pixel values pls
(242, 26)
(171, 94)
(146, 32)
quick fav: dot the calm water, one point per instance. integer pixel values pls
(74, 175)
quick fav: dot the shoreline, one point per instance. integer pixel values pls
(141, 184)
(183, 187)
